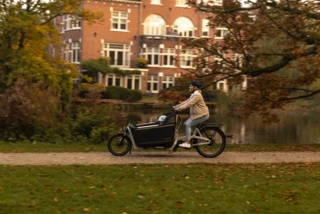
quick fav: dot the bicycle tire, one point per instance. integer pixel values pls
(119, 145)
(217, 142)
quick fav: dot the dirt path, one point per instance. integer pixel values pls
(154, 157)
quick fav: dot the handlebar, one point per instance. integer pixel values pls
(173, 110)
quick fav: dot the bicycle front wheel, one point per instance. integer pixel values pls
(119, 145)
(217, 142)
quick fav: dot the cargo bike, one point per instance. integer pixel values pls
(207, 138)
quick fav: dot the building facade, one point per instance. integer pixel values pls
(135, 30)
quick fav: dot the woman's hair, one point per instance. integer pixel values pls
(195, 83)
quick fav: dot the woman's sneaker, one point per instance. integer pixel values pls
(185, 145)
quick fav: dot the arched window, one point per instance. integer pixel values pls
(154, 25)
(184, 27)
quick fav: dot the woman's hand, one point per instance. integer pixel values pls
(174, 108)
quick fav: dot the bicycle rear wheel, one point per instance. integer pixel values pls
(119, 145)
(217, 142)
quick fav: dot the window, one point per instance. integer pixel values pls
(155, 1)
(119, 20)
(221, 86)
(68, 22)
(62, 24)
(53, 50)
(181, 3)
(153, 55)
(133, 82)
(118, 54)
(154, 25)
(75, 52)
(210, 2)
(71, 23)
(203, 63)
(76, 24)
(219, 61)
(236, 58)
(186, 58)
(167, 82)
(153, 82)
(184, 27)
(113, 79)
(252, 18)
(221, 33)
(246, 4)
(67, 52)
(205, 28)
(168, 56)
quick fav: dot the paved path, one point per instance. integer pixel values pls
(154, 157)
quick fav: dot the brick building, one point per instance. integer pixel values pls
(133, 29)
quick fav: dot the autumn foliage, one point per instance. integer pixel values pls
(275, 43)
(35, 88)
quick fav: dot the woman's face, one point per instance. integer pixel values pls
(191, 88)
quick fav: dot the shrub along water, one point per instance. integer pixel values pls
(120, 93)
(84, 124)
(37, 113)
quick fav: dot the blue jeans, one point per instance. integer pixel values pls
(190, 122)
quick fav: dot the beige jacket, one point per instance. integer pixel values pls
(198, 107)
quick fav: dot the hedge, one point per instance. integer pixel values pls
(120, 93)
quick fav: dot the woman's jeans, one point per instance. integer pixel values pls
(190, 122)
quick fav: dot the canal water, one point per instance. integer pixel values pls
(295, 127)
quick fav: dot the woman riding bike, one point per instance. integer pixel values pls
(199, 111)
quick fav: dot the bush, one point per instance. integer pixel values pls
(95, 127)
(120, 93)
(134, 95)
(87, 90)
(37, 113)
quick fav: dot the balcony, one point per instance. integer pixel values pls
(171, 36)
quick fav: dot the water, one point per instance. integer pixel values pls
(295, 127)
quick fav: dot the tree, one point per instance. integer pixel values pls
(35, 88)
(92, 67)
(274, 42)
(27, 28)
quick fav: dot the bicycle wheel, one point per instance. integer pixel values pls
(217, 142)
(119, 145)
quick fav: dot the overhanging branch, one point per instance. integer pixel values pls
(310, 93)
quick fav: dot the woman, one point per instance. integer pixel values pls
(199, 112)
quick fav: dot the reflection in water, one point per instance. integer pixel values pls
(294, 128)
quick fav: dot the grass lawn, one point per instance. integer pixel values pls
(82, 147)
(163, 188)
